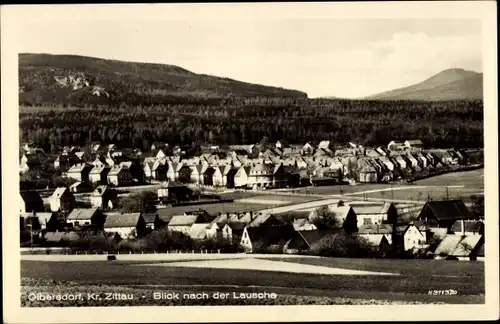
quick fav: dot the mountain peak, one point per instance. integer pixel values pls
(449, 84)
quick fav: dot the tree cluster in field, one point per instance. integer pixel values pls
(247, 121)
(140, 202)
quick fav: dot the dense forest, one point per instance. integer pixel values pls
(246, 121)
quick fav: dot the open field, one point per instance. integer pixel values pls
(473, 180)
(253, 203)
(470, 179)
(461, 185)
(411, 282)
(422, 193)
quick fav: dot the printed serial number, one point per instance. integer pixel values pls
(446, 292)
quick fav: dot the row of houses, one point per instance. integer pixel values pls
(438, 221)
(63, 200)
(251, 166)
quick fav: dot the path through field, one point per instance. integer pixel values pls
(267, 265)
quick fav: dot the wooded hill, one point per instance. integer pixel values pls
(78, 81)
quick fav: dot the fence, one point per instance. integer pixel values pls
(69, 251)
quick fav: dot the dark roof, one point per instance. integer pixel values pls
(149, 217)
(82, 213)
(31, 197)
(232, 171)
(237, 226)
(469, 226)
(122, 220)
(449, 209)
(375, 229)
(270, 234)
(312, 236)
(293, 214)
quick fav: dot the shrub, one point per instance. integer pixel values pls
(342, 245)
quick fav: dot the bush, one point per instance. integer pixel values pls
(343, 245)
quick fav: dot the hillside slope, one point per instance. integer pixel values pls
(452, 84)
(71, 79)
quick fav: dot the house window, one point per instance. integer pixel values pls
(367, 221)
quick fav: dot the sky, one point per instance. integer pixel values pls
(341, 57)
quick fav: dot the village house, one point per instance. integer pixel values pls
(233, 232)
(260, 175)
(368, 172)
(304, 240)
(395, 146)
(265, 238)
(127, 226)
(23, 168)
(378, 236)
(78, 187)
(64, 161)
(103, 197)
(99, 173)
(303, 224)
(202, 231)
(180, 172)
(375, 214)
(265, 220)
(174, 191)
(79, 172)
(307, 149)
(444, 213)
(414, 144)
(197, 173)
(241, 178)
(414, 164)
(467, 227)
(459, 247)
(31, 161)
(415, 236)
(158, 170)
(62, 200)
(402, 162)
(152, 221)
(424, 163)
(86, 217)
(120, 175)
(182, 223)
(30, 202)
(99, 161)
(219, 177)
(281, 144)
(40, 222)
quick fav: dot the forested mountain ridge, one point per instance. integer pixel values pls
(451, 84)
(72, 80)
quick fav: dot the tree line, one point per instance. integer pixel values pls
(247, 121)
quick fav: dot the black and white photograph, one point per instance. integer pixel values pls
(257, 154)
